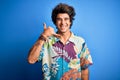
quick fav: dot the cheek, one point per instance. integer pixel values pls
(57, 23)
(69, 22)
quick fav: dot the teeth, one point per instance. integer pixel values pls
(63, 26)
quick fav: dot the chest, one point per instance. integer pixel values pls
(67, 51)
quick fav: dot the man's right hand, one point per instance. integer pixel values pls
(49, 31)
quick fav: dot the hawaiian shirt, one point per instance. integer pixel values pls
(64, 61)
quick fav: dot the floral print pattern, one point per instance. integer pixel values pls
(74, 64)
(72, 74)
(64, 62)
(54, 68)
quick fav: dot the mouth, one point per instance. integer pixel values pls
(63, 27)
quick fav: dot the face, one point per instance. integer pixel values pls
(63, 22)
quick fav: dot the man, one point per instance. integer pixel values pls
(64, 56)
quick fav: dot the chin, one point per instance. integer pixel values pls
(63, 31)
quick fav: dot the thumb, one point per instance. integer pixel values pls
(44, 24)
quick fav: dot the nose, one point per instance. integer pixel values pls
(63, 21)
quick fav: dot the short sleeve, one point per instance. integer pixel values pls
(43, 51)
(41, 54)
(46, 48)
(85, 57)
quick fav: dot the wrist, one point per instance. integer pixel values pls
(43, 37)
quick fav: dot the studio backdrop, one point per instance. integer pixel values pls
(21, 23)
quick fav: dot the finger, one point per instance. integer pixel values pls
(44, 26)
(57, 35)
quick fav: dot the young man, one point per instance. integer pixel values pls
(64, 56)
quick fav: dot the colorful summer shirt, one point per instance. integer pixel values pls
(64, 62)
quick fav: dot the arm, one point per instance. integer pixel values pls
(85, 74)
(35, 51)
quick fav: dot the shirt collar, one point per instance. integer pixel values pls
(71, 39)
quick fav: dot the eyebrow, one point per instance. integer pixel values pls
(64, 18)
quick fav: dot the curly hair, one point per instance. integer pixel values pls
(63, 8)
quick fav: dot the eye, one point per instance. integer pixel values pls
(58, 19)
(66, 19)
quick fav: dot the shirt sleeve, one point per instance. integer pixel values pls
(85, 57)
(41, 54)
(43, 51)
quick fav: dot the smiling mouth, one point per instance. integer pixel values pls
(63, 26)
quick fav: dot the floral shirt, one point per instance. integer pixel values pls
(64, 62)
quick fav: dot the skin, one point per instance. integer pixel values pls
(85, 74)
(63, 26)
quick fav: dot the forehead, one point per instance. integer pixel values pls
(62, 15)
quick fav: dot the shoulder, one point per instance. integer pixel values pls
(78, 39)
(51, 40)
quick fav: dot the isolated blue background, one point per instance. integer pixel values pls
(21, 22)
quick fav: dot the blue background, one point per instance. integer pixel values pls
(21, 22)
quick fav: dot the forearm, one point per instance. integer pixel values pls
(85, 74)
(35, 51)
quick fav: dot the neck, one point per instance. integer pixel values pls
(65, 36)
